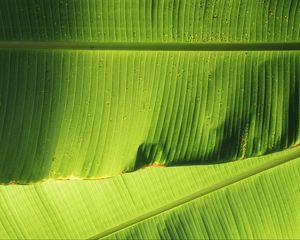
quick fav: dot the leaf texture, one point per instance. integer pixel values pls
(95, 88)
(150, 20)
(260, 207)
(82, 113)
(261, 204)
(89, 114)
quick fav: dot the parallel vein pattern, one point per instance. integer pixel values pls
(238, 178)
(150, 20)
(262, 206)
(132, 46)
(257, 208)
(99, 113)
(80, 98)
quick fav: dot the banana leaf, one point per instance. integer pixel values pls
(255, 198)
(206, 92)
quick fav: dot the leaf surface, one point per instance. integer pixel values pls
(150, 21)
(90, 114)
(253, 198)
(94, 88)
(91, 89)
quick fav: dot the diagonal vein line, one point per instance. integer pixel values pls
(276, 161)
(259, 46)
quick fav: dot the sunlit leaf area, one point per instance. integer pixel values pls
(150, 119)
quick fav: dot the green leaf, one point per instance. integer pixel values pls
(254, 198)
(94, 88)
(76, 104)
(237, 208)
(103, 87)
(150, 21)
(90, 114)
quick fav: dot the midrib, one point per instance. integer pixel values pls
(276, 161)
(150, 46)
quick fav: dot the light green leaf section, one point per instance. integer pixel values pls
(150, 20)
(265, 206)
(96, 88)
(253, 198)
(91, 114)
